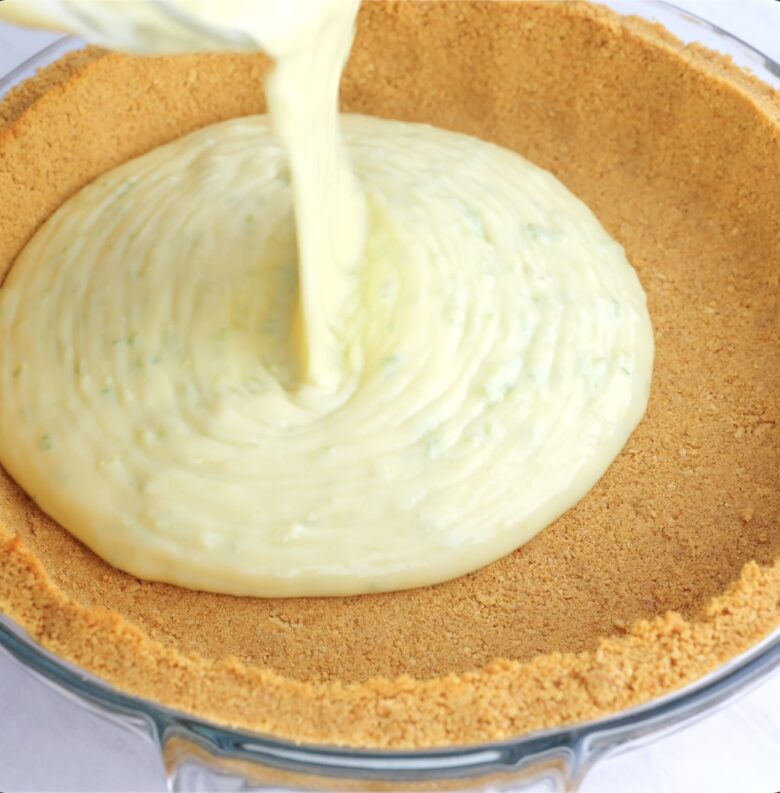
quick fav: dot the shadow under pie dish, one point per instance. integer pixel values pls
(667, 569)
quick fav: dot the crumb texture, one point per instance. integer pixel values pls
(670, 566)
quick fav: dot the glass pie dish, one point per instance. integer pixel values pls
(203, 755)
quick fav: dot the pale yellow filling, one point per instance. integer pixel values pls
(446, 357)
(497, 347)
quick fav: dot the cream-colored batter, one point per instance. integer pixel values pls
(452, 361)
(310, 40)
(171, 26)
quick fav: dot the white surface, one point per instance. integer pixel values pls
(49, 743)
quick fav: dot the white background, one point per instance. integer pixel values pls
(49, 743)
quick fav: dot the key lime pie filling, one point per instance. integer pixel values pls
(370, 356)
(486, 352)
(495, 353)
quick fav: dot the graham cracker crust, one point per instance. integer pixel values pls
(668, 568)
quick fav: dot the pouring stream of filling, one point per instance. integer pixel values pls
(306, 354)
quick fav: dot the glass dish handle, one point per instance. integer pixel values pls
(195, 764)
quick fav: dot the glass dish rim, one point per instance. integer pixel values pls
(338, 761)
(740, 672)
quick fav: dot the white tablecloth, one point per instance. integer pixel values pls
(49, 743)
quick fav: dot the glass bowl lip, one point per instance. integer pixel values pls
(718, 686)
(675, 707)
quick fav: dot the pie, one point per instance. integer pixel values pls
(668, 568)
